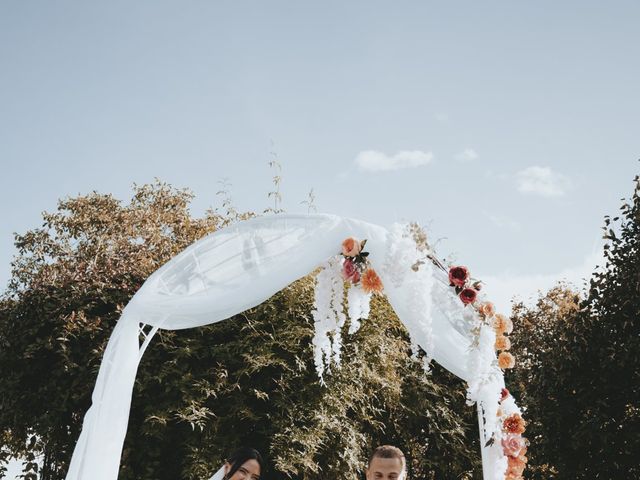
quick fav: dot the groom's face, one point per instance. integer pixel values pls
(385, 469)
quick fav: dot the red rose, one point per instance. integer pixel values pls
(504, 393)
(468, 295)
(458, 276)
(350, 271)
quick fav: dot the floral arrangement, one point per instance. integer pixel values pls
(408, 251)
(512, 425)
(468, 291)
(356, 268)
(514, 445)
(351, 266)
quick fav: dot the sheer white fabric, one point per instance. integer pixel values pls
(219, 475)
(224, 274)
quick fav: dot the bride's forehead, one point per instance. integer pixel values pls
(252, 466)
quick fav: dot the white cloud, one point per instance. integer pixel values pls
(503, 287)
(542, 181)
(374, 161)
(466, 155)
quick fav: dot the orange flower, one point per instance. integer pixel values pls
(371, 282)
(350, 247)
(506, 360)
(502, 343)
(513, 476)
(514, 424)
(487, 309)
(515, 468)
(523, 455)
(502, 324)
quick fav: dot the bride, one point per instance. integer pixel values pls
(243, 464)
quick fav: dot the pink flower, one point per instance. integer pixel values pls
(468, 295)
(512, 445)
(458, 276)
(350, 247)
(350, 271)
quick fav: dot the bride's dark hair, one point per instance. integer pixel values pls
(242, 455)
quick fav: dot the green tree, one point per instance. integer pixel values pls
(544, 376)
(201, 392)
(579, 368)
(609, 354)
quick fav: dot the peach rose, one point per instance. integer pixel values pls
(506, 360)
(514, 424)
(508, 327)
(502, 343)
(502, 324)
(458, 276)
(487, 309)
(512, 445)
(350, 247)
(468, 295)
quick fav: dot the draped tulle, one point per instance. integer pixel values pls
(232, 270)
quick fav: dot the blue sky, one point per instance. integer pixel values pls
(522, 118)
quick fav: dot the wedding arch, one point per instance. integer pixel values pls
(242, 265)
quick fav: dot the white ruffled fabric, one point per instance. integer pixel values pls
(241, 266)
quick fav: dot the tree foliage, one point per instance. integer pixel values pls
(201, 392)
(579, 365)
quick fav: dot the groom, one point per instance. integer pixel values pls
(387, 463)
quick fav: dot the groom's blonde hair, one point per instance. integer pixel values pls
(388, 451)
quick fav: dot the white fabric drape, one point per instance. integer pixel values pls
(219, 475)
(223, 274)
